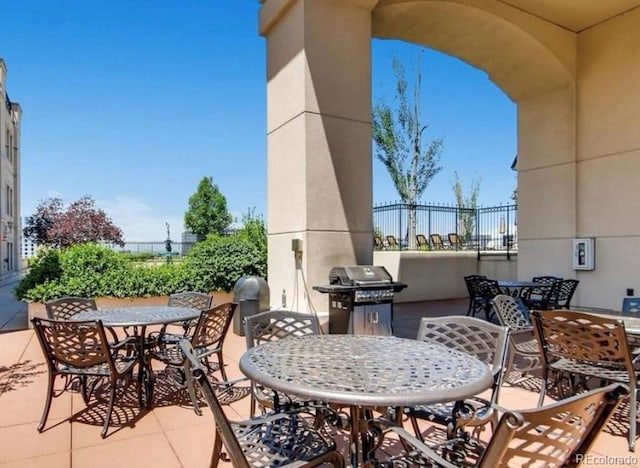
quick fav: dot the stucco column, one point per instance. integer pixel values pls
(318, 142)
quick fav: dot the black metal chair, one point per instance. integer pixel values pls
(483, 290)
(562, 293)
(207, 340)
(468, 281)
(539, 298)
(79, 350)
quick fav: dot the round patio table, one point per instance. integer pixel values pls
(364, 371)
(514, 287)
(140, 317)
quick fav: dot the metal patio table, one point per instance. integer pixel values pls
(364, 371)
(140, 317)
(514, 287)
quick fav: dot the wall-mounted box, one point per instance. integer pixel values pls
(584, 253)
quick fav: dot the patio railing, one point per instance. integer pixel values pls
(482, 229)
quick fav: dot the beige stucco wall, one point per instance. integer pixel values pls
(318, 141)
(578, 98)
(608, 155)
(440, 275)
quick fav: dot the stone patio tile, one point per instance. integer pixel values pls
(14, 411)
(127, 421)
(23, 441)
(57, 460)
(148, 450)
(193, 445)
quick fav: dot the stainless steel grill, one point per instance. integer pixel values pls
(361, 299)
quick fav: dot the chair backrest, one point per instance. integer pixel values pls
(195, 300)
(275, 325)
(436, 241)
(77, 344)
(511, 312)
(482, 339)
(486, 288)
(562, 292)
(546, 279)
(377, 242)
(469, 282)
(454, 240)
(213, 325)
(66, 307)
(555, 435)
(224, 429)
(391, 241)
(631, 305)
(421, 240)
(582, 337)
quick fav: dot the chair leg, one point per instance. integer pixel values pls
(543, 390)
(47, 405)
(217, 448)
(416, 428)
(112, 398)
(188, 376)
(633, 414)
(221, 364)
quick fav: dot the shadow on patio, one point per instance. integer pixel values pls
(171, 435)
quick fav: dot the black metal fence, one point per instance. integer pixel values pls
(481, 229)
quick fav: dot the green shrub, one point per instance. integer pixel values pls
(45, 269)
(218, 262)
(138, 257)
(90, 270)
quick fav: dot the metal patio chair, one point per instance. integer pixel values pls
(276, 439)
(66, 307)
(77, 351)
(553, 436)
(195, 300)
(479, 338)
(538, 297)
(207, 340)
(482, 292)
(562, 293)
(586, 346)
(468, 281)
(275, 325)
(523, 346)
(378, 244)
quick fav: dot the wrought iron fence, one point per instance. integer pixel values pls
(420, 227)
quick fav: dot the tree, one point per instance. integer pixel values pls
(81, 222)
(254, 230)
(207, 213)
(411, 160)
(468, 204)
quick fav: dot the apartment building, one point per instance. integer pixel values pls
(10, 224)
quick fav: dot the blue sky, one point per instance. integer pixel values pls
(134, 104)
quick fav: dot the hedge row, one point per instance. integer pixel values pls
(89, 270)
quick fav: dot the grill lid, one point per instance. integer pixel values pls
(360, 275)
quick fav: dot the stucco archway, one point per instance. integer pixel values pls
(552, 60)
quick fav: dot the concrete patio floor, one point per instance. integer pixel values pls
(171, 435)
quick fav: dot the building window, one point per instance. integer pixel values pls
(9, 199)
